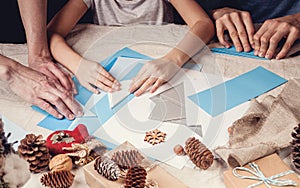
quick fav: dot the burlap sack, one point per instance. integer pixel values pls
(264, 129)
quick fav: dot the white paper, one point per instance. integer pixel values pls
(118, 96)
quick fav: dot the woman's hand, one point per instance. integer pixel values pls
(272, 31)
(91, 74)
(239, 26)
(153, 74)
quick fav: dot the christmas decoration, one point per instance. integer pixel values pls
(127, 159)
(107, 168)
(135, 177)
(155, 137)
(179, 150)
(65, 138)
(61, 162)
(296, 148)
(80, 152)
(198, 153)
(33, 149)
(14, 171)
(57, 179)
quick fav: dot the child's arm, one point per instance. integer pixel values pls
(87, 72)
(158, 71)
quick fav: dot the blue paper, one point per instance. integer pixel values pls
(225, 96)
(83, 95)
(232, 51)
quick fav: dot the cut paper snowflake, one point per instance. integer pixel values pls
(155, 137)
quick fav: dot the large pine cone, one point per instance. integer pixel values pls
(198, 153)
(135, 177)
(127, 159)
(296, 147)
(57, 179)
(33, 149)
(107, 168)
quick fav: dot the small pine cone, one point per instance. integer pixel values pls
(57, 179)
(107, 168)
(135, 177)
(33, 149)
(127, 159)
(198, 153)
(296, 147)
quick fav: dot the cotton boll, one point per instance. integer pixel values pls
(16, 171)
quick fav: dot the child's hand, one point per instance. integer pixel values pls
(92, 73)
(153, 74)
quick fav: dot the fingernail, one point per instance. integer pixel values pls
(60, 116)
(268, 56)
(110, 90)
(71, 116)
(117, 83)
(255, 52)
(261, 54)
(80, 113)
(115, 87)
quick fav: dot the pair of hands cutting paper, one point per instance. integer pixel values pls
(265, 41)
(153, 74)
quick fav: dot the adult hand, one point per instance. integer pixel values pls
(42, 91)
(153, 74)
(272, 31)
(46, 66)
(239, 25)
(91, 74)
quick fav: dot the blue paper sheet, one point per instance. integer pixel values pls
(83, 95)
(232, 51)
(225, 96)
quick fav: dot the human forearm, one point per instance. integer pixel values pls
(192, 42)
(34, 19)
(7, 66)
(63, 53)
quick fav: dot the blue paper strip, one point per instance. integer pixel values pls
(232, 51)
(225, 96)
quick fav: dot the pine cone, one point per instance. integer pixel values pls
(127, 159)
(296, 147)
(198, 153)
(107, 168)
(33, 149)
(57, 179)
(135, 177)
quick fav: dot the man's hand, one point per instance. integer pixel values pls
(91, 74)
(46, 66)
(239, 26)
(42, 91)
(272, 31)
(153, 74)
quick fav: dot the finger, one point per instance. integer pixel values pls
(138, 80)
(274, 40)
(257, 37)
(103, 87)
(158, 83)
(73, 85)
(246, 17)
(72, 104)
(146, 85)
(220, 34)
(62, 77)
(90, 88)
(242, 33)
(104, 80)
(233, 35)
(264, 42)
(55, 100)
(292, 37)
(47, 107)
(103, 72)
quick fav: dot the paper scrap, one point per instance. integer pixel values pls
(225, 96)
